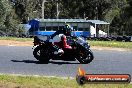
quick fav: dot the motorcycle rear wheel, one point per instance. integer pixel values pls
(40, 54)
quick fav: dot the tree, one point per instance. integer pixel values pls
(116, 12)
(121, 23)
(8, 20)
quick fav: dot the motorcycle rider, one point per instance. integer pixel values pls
(59, 39)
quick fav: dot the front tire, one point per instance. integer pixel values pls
(40, 54)
(85, 57)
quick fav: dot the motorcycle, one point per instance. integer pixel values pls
(44, 51)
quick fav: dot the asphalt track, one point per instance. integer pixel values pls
(19, 60)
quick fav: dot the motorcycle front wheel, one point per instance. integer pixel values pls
(85, 56)
(40, 54)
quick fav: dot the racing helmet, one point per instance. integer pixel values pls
(68, 30)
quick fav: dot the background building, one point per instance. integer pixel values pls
(81, 26)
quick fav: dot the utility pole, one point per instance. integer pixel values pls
(96, 9)
(57, 6)
(43, 8)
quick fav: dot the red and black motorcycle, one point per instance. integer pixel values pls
(44, 50)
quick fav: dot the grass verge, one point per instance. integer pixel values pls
(115, 44)
(8, 81)
(16, 39)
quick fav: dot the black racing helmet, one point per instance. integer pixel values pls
(68, 30)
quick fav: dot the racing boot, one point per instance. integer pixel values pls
(59, 52)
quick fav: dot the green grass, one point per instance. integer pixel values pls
(16, 39)
(116, 44)
(7, 81)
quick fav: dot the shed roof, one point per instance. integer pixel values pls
(98, 22)
(74, 21)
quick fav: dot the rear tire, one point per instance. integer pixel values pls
(40, 54)
(86, 58)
